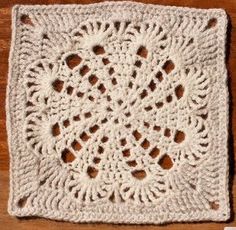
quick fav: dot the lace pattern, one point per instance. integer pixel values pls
(117, 112)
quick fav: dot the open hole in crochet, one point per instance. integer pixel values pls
(179, 91)
(133, 102)
(214, 205)
(66, 123)
(137, 135)
(146, 124)
(56, 130)
(148, 108)
(179, 136)
(107, 26)
(154, 152)
(76, 118)
(93, 79)
(29, 104)
(109, 109)
(145, 144)
(91, 98)
(112, 198)
(109, 98)
(87, 115)
(93, 129)
(80, 94)
(128, 114)
(128, 126)
(137, 28)
(22, 202)
(96, 160)
(92, 172)
(84, 136)
(143, 94)
(190, 42)
(187, 70)
(100, 149)
(69, 90)
(193, 186)
(84, 28)
(123, 142)
(142, 52)
(73, 60)
(58, 85)
(159, 104)
(104, 139)
(166, 162)
(77, 194)
(127, 23)
(132, 163)
(101, 88)
(67, 156)
(105, 61)
(25, 19)
(126, 153)
(78, 34)
(159, 76)
(76, 145)
(211, 23)
(103, 121)
(167, 132)
(152, 85)
(168, 66)
(138, 64)
(117, 25)
(139, 174)
(202, 129)
(126, 189)
(111, 71)
(46, 100)
(43, 181)
(85, 69)
(157, 128)
(40, 65)
(169, 98)
(134, 74)
(164, 37)
(98, 50)
(204, 116)
(45, 36)
(114, 81)
(120, 102)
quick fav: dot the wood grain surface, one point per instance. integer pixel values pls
(8, 222)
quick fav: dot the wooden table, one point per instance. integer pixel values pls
(8, 222)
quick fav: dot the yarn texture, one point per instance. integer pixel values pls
(118, 112)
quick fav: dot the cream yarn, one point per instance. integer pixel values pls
(117, 112)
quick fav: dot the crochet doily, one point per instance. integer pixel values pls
(117, 112)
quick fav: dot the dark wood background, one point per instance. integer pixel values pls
(7, 222)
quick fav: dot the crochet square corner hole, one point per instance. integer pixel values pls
(95, 114)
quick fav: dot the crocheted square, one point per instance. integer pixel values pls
(118, 112)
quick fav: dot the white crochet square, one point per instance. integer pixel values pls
(118, 112)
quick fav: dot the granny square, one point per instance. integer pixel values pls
(118, 112)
